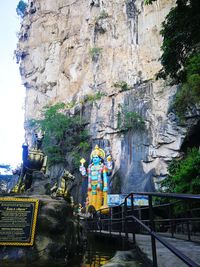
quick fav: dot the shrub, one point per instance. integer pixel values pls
(94, 97)
(148, 2)
(103, 15)
(64, 135)
(184, 175)
(123, 85)
(95, 52)
(189, 93)
(181, 52)
(128, 120)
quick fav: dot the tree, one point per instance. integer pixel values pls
(181, 52)
(21, 8)
(189, 93)
(184, 175)
(181, 38)
(64, 135)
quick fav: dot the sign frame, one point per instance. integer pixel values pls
(35, 207)
(115, 200)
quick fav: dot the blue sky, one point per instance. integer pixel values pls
(12, 92)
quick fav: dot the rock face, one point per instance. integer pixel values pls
(124, 259)
(57, 236)
(69, 50)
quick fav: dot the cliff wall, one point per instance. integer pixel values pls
(70, 50)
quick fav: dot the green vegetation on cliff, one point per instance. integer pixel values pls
(181, 62)
(189, 92)
(181, 38)
(181, 52)
(127, 120)
(65, 136)
(122, 85)
(184, 175)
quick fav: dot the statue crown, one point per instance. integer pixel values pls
(97, 152)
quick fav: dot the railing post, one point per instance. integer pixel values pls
(96, 223)
(110, 221)
(100, 222)
(111, 217)
(78, 218)
(123, 219)
(152, 226)
(188, 230)
(125, 214)
(120, 221)
(132, 211)
(86, 225)
(188, 221)
(171, 221)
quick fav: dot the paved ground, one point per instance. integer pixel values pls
(165, 257)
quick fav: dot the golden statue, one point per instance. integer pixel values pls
(62, 187)
(33, 160)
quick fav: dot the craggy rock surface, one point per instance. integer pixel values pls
(57, 236)
(71, 51)
(124, 259)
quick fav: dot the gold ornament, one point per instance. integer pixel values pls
(97, 152)
(82, 161)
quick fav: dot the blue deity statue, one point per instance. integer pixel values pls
(97, 172)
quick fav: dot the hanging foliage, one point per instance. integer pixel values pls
(64, 135)
(184, 175)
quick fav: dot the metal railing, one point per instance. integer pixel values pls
(128, 219)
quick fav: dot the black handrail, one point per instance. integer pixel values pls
(151, 230)
(174, 250)
(171, 195)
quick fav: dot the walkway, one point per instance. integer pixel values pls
(165, 258)
(180, 215)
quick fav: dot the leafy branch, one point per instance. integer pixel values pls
(65, 135)
(184, 174)
(128, 120)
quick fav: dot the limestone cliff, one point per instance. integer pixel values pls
(69, 49)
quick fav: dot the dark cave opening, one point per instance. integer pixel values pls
(192, 139)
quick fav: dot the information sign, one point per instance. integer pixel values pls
(18, 217)
(118, 199)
